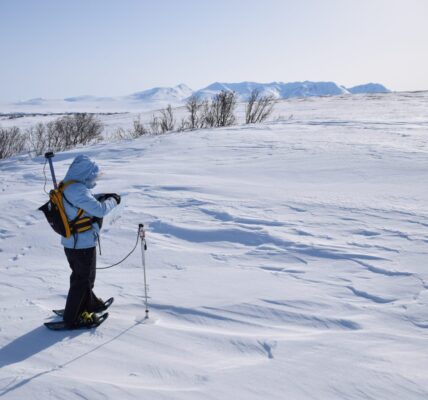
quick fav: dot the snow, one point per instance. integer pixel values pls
(369, 88)
(160, 97)
(279, 90)
(285, 260)
(180, 92)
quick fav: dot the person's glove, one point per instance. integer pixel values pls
(116, 197)
(101, 197)
(106, 196)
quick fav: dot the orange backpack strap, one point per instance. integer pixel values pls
(78, 224)
(63, 185)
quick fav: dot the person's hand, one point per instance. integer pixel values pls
(101, 197)
(106, 196)
(116, 197)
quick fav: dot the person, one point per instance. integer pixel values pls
(80, 248)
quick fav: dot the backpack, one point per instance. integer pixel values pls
(55, 213)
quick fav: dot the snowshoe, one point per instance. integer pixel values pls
(102, 307)
(86, 320)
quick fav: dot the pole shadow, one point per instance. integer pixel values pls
(32, 343)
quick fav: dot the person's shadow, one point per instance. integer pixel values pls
(28, 345)
(38, 340)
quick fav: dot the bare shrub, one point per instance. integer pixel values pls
(220, 111)
(207, 119)
(166, 120)
(223, 109)
(46, 137)
(120, 134)
(193, 106)
(155, 125)
(78, 129)
(37, 138)
(184, 125)
(64, 133)
(258, 107)
(12, 142)
(138, 129)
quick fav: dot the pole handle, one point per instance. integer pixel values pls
(142, 234)
(49, 155)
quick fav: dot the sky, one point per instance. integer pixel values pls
(61, 48)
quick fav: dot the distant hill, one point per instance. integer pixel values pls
(369, 88)
(279, 90)
(32, 102)
(161, 96)
(179, 92)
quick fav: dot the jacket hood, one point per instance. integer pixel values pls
(83, 170)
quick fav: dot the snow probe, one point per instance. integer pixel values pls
(142, 234)
(49, 155)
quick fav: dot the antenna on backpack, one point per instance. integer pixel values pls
(49, 155)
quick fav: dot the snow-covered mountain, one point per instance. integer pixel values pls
(279, 90)
(369, 88)
(161, 96)
(32, 102)
(87, 98)
(177, 93)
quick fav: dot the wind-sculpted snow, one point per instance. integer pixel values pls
(285, 261)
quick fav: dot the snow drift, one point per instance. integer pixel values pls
(285, 260)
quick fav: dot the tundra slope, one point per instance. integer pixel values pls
(285, 260)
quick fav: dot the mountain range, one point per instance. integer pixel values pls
(279, 90)
(282, 90)
(177, 95)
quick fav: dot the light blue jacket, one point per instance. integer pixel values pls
(85, 172)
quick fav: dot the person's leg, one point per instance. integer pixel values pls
(94, 303)
(82, 263)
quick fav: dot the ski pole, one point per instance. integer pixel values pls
(49, 155)
(142, 233)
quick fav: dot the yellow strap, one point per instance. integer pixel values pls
(83, 221)
(57, 200)
(83, 229)
(63, 185)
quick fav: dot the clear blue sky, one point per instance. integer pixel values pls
(60, 48)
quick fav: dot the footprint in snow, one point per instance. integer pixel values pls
(5, 234)
(23, 252)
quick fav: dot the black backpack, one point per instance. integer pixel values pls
(55, 213)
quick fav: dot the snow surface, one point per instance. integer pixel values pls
(160, 97)
(369, 88)
(279, 90)
(285, 261)
(179, 92)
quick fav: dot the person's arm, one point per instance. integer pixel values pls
(81, 197)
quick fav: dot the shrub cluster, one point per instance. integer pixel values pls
(80, 129)
(218, 112)
(12, 141)
(58, 135)
(214, 113)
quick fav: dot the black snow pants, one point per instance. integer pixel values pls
(80, 296)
